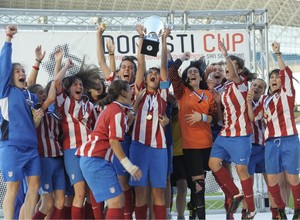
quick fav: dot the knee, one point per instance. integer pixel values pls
(198, 186)
(47, 206)
(33, 188)
(12, 189)
(242, 171)
(158, 196)
(292, 180)
(181, 186)
(140, 195)
(79, 191)
(282, 181)
(272, 180)
(158, 192)
(199, 192)
(116, 202)
(214, 164)
(59, 203)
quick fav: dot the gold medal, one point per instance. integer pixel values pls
(149, 117)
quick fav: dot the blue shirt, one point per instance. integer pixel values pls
(16, 122)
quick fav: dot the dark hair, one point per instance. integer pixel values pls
(239, 61)
(89, 74)
(249, 76)
(220, 63)
(150, 70)
(241, 65)
(115, 90)
(200, 65)
(34, 88)
(132, 59)
(68, 81)
(276, 71)
(14, 66)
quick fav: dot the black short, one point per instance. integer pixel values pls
(179, 170)
(196, 160)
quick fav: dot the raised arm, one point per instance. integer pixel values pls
(58, 79)
(39, 56)
(141, 67)
(50, 97)
(100, 52)
(175, 79)
(164, 55)
(232, 74)
(249, 105)
(58, 55)
(6, 62)
(276, 50)
(52, 91)
(10, 31)
(110, 46)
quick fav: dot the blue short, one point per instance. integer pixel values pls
(53, 174)
(16, 162)
(101, 177)
(116, 163)
(257, 160)
(152, 161)
(72, 166)
(69, 191)
(237, 149)
(282, 154)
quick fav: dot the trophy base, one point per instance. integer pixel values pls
(150, 47)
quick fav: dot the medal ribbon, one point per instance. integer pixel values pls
(54, 115)
(267, 101)
(151, 101)
(129, 107)
(218, 88)
(85, 105)
(199, 96)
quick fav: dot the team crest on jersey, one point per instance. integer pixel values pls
(10, 173)
(47, 186)
(112, 190)
(73, 176)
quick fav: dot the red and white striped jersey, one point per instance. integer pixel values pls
(78, 119)
(236, 120)
(258, 124)
(111, 78)
(111, 124)
(147, 129)
(279, 108)
(48, 134)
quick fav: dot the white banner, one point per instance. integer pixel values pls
(79, 44)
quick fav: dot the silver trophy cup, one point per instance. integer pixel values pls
(154, 27)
